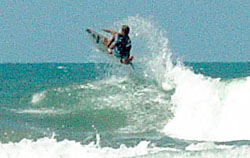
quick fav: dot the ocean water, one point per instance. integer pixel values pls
(107, 110)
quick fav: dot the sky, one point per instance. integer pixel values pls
(33, 31)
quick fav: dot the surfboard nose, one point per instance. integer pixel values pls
(88, 30)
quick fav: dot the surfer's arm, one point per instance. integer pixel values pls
(110, 31)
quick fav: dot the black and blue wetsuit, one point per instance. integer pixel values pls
(122, 46)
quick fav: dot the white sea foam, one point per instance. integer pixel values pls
(206, 146)
(41, 111)
(61, 67)
(50, 148)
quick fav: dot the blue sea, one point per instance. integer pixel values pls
(164, 108)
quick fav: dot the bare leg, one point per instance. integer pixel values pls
(107, 43)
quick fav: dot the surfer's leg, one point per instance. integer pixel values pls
(107, 43)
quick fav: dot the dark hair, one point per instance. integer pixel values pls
(126, 29)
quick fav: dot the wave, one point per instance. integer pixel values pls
(203, 108)
(163, 97)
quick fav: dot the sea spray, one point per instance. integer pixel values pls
(151, 49)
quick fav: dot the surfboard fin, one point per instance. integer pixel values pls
(132, 65)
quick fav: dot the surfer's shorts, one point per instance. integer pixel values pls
(120, 55)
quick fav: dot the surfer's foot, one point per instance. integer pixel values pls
(131, 58)
(126, 61)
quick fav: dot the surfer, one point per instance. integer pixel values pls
(122, 44)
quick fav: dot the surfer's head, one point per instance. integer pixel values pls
(125, 30)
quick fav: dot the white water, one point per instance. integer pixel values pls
(50, 148)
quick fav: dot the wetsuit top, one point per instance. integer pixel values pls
(122, 46)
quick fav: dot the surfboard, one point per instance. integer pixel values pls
(98, 40)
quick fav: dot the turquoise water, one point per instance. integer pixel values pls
(222, 70)
(70, 100)
(97, 110)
